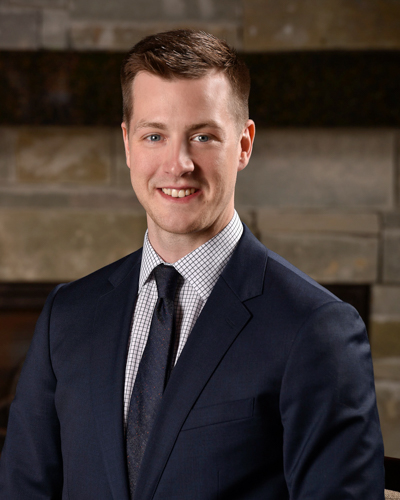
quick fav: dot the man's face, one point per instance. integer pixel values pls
(184, 150)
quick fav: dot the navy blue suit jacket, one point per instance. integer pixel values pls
(272, 397)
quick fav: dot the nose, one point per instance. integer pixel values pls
(178, 161)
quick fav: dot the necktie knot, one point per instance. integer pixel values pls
(167, 280)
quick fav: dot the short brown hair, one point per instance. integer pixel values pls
(185, 54)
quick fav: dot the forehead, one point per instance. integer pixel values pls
(210, 94)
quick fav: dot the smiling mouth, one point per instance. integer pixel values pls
(178, 193)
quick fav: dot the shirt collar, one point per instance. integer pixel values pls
(204, 265)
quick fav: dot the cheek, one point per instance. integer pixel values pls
(139, 180)
(141, 167)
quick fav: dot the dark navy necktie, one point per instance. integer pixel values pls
(153, 373)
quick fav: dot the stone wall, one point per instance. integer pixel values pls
(250, 25)
(325, 197)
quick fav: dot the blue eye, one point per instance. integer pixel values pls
(154, 137)
(202, 138)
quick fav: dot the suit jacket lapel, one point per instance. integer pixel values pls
(112, 328)
(220, 322)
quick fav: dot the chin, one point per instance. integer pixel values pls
(182, 228)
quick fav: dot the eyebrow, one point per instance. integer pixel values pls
(210, 124)
(144, 124)
(190, 128)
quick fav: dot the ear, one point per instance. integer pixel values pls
(125, 134)
(246, 144)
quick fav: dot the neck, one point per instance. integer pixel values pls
(171, 246)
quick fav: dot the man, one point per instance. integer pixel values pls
(260, 384)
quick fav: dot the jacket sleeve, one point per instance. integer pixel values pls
(31, 460)
(332, 440)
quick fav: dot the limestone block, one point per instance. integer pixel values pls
(388, 399)
(122, 35)
(385, 303)
(345, 223)
(344, 24)
(391, 256)
(122, 178)
(328, 258)
(222, 10)
(387, 384)
(319, 169)
(142, 10)
(110, 199)
(68, 197)
(63, 155)
(55, 26)
(387, 368)
(40, 3)
(391, 219)
(19, 29)
(385, 321)
(130, 10)
(384, 338)
(7, 154)
(59, 245)
(17, 197)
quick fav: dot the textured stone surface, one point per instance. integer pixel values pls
(7, 154)
(385, 303)
(387, 368)
(328, 258)
(110, 199)
(388, 399)
(19, 29)
(11, 197)
(122, 177)
(391, 219)
(384, 338)
(271, 25)
(387, 383)
(25, 197)
(319, 168)
(385, 320)
(121, 36)
(44, 245)
(391, 256)
(142, 10)
(55, 26)
(39, 3)
(62, 155)
(349, 223)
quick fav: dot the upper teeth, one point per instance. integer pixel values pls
(178, 194)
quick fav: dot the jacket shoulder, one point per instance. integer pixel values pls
(98, 282)
(279, 270)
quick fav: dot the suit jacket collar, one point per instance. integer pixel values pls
(220, 322)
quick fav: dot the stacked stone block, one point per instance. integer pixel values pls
(250, 25)
(65, 209)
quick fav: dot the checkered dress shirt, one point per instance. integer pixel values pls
(199, 272)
